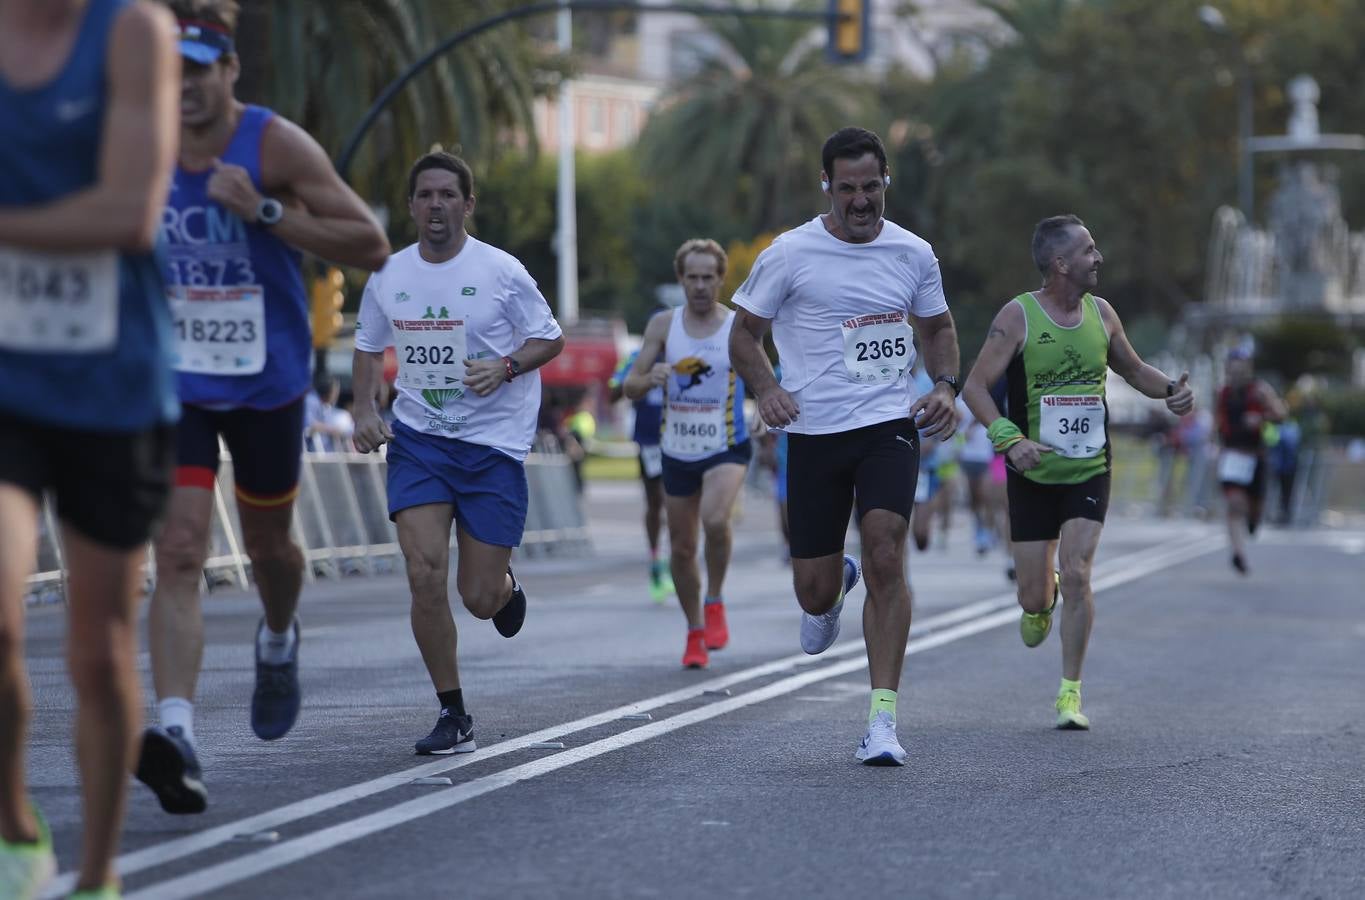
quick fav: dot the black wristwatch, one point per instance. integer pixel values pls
(951, 381)
(269, 211)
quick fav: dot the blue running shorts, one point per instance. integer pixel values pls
(486, 486)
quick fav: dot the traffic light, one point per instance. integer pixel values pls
(849, 35)
(326, 300)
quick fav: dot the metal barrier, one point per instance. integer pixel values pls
(341, 521)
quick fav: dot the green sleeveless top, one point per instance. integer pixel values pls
(1056, 392)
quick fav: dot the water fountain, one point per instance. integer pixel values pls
(1307, 261)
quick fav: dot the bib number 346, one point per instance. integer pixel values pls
(1073, 426)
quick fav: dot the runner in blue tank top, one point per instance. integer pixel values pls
(87, 107)
(705, 439)
(251, 191)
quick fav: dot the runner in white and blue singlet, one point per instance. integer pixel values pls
(705, 439)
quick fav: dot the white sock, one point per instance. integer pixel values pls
(275, 647)
(177, 712)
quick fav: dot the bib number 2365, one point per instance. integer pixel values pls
(877, 347)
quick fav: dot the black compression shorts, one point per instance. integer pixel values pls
(1037, 511)
(878, 465)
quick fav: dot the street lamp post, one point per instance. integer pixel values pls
(1213, 20)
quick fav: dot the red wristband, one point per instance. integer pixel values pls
(507, 364)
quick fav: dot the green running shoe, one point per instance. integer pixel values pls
(26, 868)
(108, 892)
(1034, 627)
(660, 582)
(1069, 715)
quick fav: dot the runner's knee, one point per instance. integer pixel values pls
(484, 600)
(1075, 578)
(181, 549)
(272, 551)
(817, 591)
(682, 547)
(99, 667)
(716, 525)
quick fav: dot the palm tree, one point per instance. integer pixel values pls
(752, 118)
(323, 63)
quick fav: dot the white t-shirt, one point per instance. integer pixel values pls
(482, 304)
(841, 321)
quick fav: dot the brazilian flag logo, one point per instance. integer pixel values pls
(438, 398)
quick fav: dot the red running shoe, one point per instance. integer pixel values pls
(695, 656)
(717, 632)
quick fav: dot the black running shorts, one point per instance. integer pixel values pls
(878, 465)
(266, 447)
(112, 487)
(1037, 511)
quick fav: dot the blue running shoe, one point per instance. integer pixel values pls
(509, 619)
(168, 766)
(275, 702)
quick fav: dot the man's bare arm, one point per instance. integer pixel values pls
(367, 373)
(122, 209)
(639, 380)
(332, 222)
(746, 352)
(1003, 340)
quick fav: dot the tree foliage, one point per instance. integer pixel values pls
(743, 134)
(322, 64)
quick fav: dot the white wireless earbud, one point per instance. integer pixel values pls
(824, 185)
(886, 180)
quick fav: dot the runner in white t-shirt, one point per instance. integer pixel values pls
(705, 440)
(840, 294)
(470, 328)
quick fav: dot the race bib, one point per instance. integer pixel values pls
(1073, 426)
(218, 330)
(1236, 467)
(694, 429)
(431, 355)
(877, 347)
(652, 460)
(58, 302)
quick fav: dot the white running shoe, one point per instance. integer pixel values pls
(879, 746)
(819, 632)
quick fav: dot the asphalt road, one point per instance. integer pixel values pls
(1226, 758)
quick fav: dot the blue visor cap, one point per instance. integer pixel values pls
(203, 43)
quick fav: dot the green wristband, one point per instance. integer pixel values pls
(1004, 434)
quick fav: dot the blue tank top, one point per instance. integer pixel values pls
(51, 149)
(240, 359)
(649, 409)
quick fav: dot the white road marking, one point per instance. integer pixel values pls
(925, 635)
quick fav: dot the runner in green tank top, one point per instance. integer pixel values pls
(1053, 347)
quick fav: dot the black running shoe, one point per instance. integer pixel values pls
(275, 702)
(508, 619)
(452, 734)
(1239, 563)
(168, 766)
